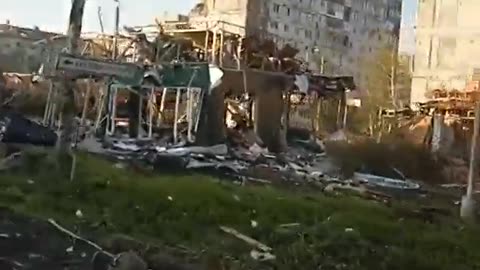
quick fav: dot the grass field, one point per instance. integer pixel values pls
(334, 232)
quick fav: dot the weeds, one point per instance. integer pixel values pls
(334, 233)
(413, 161)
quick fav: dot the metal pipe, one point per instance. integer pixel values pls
(207, 37)
(175, 126)
(140, 114)
(239, 54)
(221, 47)
(162, 106)
(214, 47)
(100, 105)
(48, 105)
(189, 114)
(151, 111)
(85, 104)
(113, 111)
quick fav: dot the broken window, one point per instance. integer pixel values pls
(346, 41)
(276, 8)
(347, 13)
(274, 25)
(446, 52)
(308, 34)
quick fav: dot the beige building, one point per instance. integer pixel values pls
(23, 50)
(341, 32)
(447, 46)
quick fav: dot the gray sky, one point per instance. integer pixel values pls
(52, 15)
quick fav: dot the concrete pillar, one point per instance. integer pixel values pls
(268, 116)
(438, 124)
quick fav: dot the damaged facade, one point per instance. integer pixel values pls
(341, 32)
(446, 43)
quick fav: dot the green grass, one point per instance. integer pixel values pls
(336, 232)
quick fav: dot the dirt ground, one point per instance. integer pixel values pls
(28, 243)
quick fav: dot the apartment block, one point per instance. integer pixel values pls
(447, 43)
(338, 33)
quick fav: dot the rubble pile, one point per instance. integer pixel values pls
(239, 162)
(243, 158)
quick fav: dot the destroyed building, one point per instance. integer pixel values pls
(341, 32)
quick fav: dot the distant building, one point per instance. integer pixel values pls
(341, 32)
(22, 50)
(447, 46)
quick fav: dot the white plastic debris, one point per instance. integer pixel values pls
(170, 198)
(216, 75)
(256, 150)
(30, 182)
(301, 81)
(69, 250)
(261, 256)
(120, 166)
(348, 230)
(253, 223)
(79, 213)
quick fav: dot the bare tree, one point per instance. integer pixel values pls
(387, 78)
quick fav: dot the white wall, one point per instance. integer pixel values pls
(448, 41)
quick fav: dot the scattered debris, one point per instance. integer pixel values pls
(247, 239)
(290, 225)
(385, 182)
(12, 161)
(71, 234)
(262, 256)
(79, 213)
(129, 261)
(35, 244)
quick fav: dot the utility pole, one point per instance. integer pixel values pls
(67, 98)
(117, 30)
(468, 209)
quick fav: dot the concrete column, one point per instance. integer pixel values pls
(438, 123)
